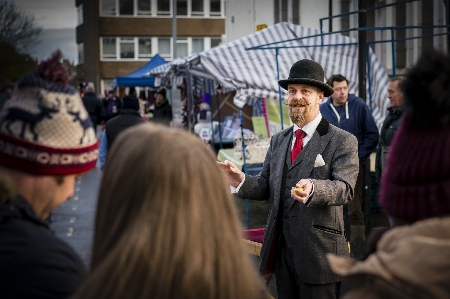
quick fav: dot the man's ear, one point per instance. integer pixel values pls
(321, 96)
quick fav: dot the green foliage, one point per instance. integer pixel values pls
(14, 65)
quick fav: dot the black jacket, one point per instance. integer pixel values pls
(34, 263)
(390, 126)
(126, 119)
(94, 107)
(163, 113)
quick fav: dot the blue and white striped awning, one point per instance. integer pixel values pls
(253, 73)
(249, 64)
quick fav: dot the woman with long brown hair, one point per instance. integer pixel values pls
(166, 223)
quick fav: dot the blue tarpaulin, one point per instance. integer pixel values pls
(136, 78)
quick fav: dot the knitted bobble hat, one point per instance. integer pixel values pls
(416, 184)
(44, 127)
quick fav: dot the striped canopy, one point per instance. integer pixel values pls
(249, 64)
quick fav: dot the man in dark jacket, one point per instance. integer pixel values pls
(351, 113)
(391, 123)
(42, 154)
(93, 105)
(163, 110)
(129, 116)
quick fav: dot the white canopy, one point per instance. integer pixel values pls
(253, 72)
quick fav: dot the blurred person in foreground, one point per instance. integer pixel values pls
(129, 116)
(390, 123)
(412, 259)
(303, 224)
(46, 142)
(166, 224)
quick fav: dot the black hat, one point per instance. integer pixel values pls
(162, 92)
(130, 102)
(308, 72)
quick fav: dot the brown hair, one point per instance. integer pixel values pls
(166, 223)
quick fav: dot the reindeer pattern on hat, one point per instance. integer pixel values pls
(38, 115)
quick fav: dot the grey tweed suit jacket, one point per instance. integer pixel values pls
(316, 228)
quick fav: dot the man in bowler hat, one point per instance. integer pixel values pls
(306, 191)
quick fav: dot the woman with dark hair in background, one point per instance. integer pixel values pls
(166, 223)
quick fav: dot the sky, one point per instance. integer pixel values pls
(58, 20)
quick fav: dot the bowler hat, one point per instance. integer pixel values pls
(308, 72)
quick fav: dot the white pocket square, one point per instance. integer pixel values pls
(319, 161)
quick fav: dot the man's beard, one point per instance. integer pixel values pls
(298, 116)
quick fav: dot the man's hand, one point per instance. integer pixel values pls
(233, 174)
(302, 190)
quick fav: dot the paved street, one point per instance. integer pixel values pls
(74, 220)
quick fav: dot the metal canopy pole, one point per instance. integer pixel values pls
(174, 28)
(362, 94)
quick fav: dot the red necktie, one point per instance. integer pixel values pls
(298, 144)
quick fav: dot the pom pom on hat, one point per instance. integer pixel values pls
(45, 128)
(416, 184)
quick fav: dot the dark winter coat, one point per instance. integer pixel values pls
(34, 263)
(163, 113)
(125, 119)
(94, 107)
(390, 126)
(360, 123)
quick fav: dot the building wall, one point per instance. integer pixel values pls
(161, 27)
(87, 33)
(94, 27)
(243, 17)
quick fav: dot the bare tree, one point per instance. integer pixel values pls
(17, 28)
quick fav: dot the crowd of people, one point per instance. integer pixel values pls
(159, 234)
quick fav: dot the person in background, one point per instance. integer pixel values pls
(157, 234)
(111, 105)
(163, 110)
(93, 105)
(129, 116)
(390, 123)
(309, 173)
(412, 259)
(47, 143)
(351, 113)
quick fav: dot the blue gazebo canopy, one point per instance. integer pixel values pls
(137, 78)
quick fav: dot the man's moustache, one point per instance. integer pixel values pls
(297, 104)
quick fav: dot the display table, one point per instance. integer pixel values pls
(228, 154)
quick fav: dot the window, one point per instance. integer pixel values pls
(215, 8)
(80, 14)
(80, 53)
(108, 7)
(164, 47)
(182, 47)
(197, 8)
(198, 45)
(109, 50)
(145, 48)
(188, 8)
(127, 47)
(215, 42)
(164, 7)
(144, 7)
(182, 8)
(126, 7)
